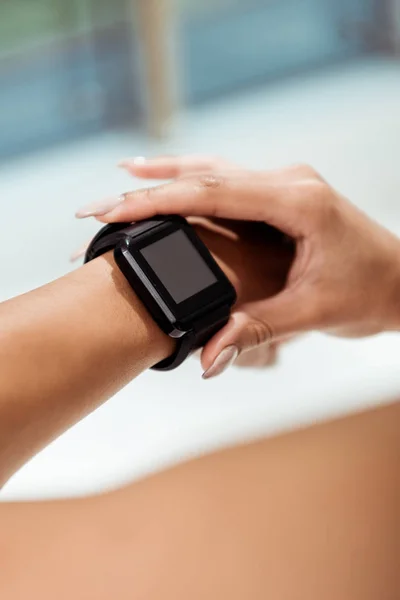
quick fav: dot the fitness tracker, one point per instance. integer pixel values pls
(174, 275)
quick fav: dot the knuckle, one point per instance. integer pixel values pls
(261, 332)
(210, 181)
(147, 194)
(318, 203)
(209, 186)
(306, 171)
(318, 193)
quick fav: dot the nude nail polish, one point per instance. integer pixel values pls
(223, 361)
(138, 161)
(79, 253)
(99, 208)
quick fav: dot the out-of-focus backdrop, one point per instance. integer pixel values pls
(85, 83)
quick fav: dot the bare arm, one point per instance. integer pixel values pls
(68, 346)
(311, 514)
(64, 349)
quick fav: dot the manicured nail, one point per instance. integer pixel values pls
(78, 253)
(99, 208)
(129, 162)
(223, 361)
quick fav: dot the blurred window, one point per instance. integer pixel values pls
(65, 70)
(68, 67)
(231, 43)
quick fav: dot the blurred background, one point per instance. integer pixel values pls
(85, 83)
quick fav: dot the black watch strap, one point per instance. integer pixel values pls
(203, 330)
(109, 236)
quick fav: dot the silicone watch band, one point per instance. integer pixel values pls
(203, 329)
(195, 339)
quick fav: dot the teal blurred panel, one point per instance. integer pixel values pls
(255, 41)
(65, 90)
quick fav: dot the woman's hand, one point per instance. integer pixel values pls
(236, 246)
(257, 264)
(345, 278)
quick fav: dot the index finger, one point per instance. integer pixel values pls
(242, 195)
(172, 167)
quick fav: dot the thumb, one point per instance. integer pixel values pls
(283, 315)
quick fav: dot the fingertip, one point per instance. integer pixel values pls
(207, 356)
(127, 167)
(228, 336)
(225, 359)
(124, 164)
(76, 256)
(137, 169)
(132, 162)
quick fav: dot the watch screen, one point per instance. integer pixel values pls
(179, 266)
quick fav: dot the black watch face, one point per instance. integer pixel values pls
(177, 271)
(179, 266)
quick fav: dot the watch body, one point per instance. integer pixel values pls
(174, 275)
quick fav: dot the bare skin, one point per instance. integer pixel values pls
(65, 349)
(311, 514)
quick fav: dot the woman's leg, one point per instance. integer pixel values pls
(309, 515)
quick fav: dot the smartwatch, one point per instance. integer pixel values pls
(174, 275)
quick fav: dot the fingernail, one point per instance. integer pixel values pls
(99, 208)
(129, 162)
(78, 253)
(223, 361)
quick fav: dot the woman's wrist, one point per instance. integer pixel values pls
(67, 348)
(126, 321)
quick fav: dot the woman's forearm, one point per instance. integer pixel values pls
(64, 349)
(308, 515)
